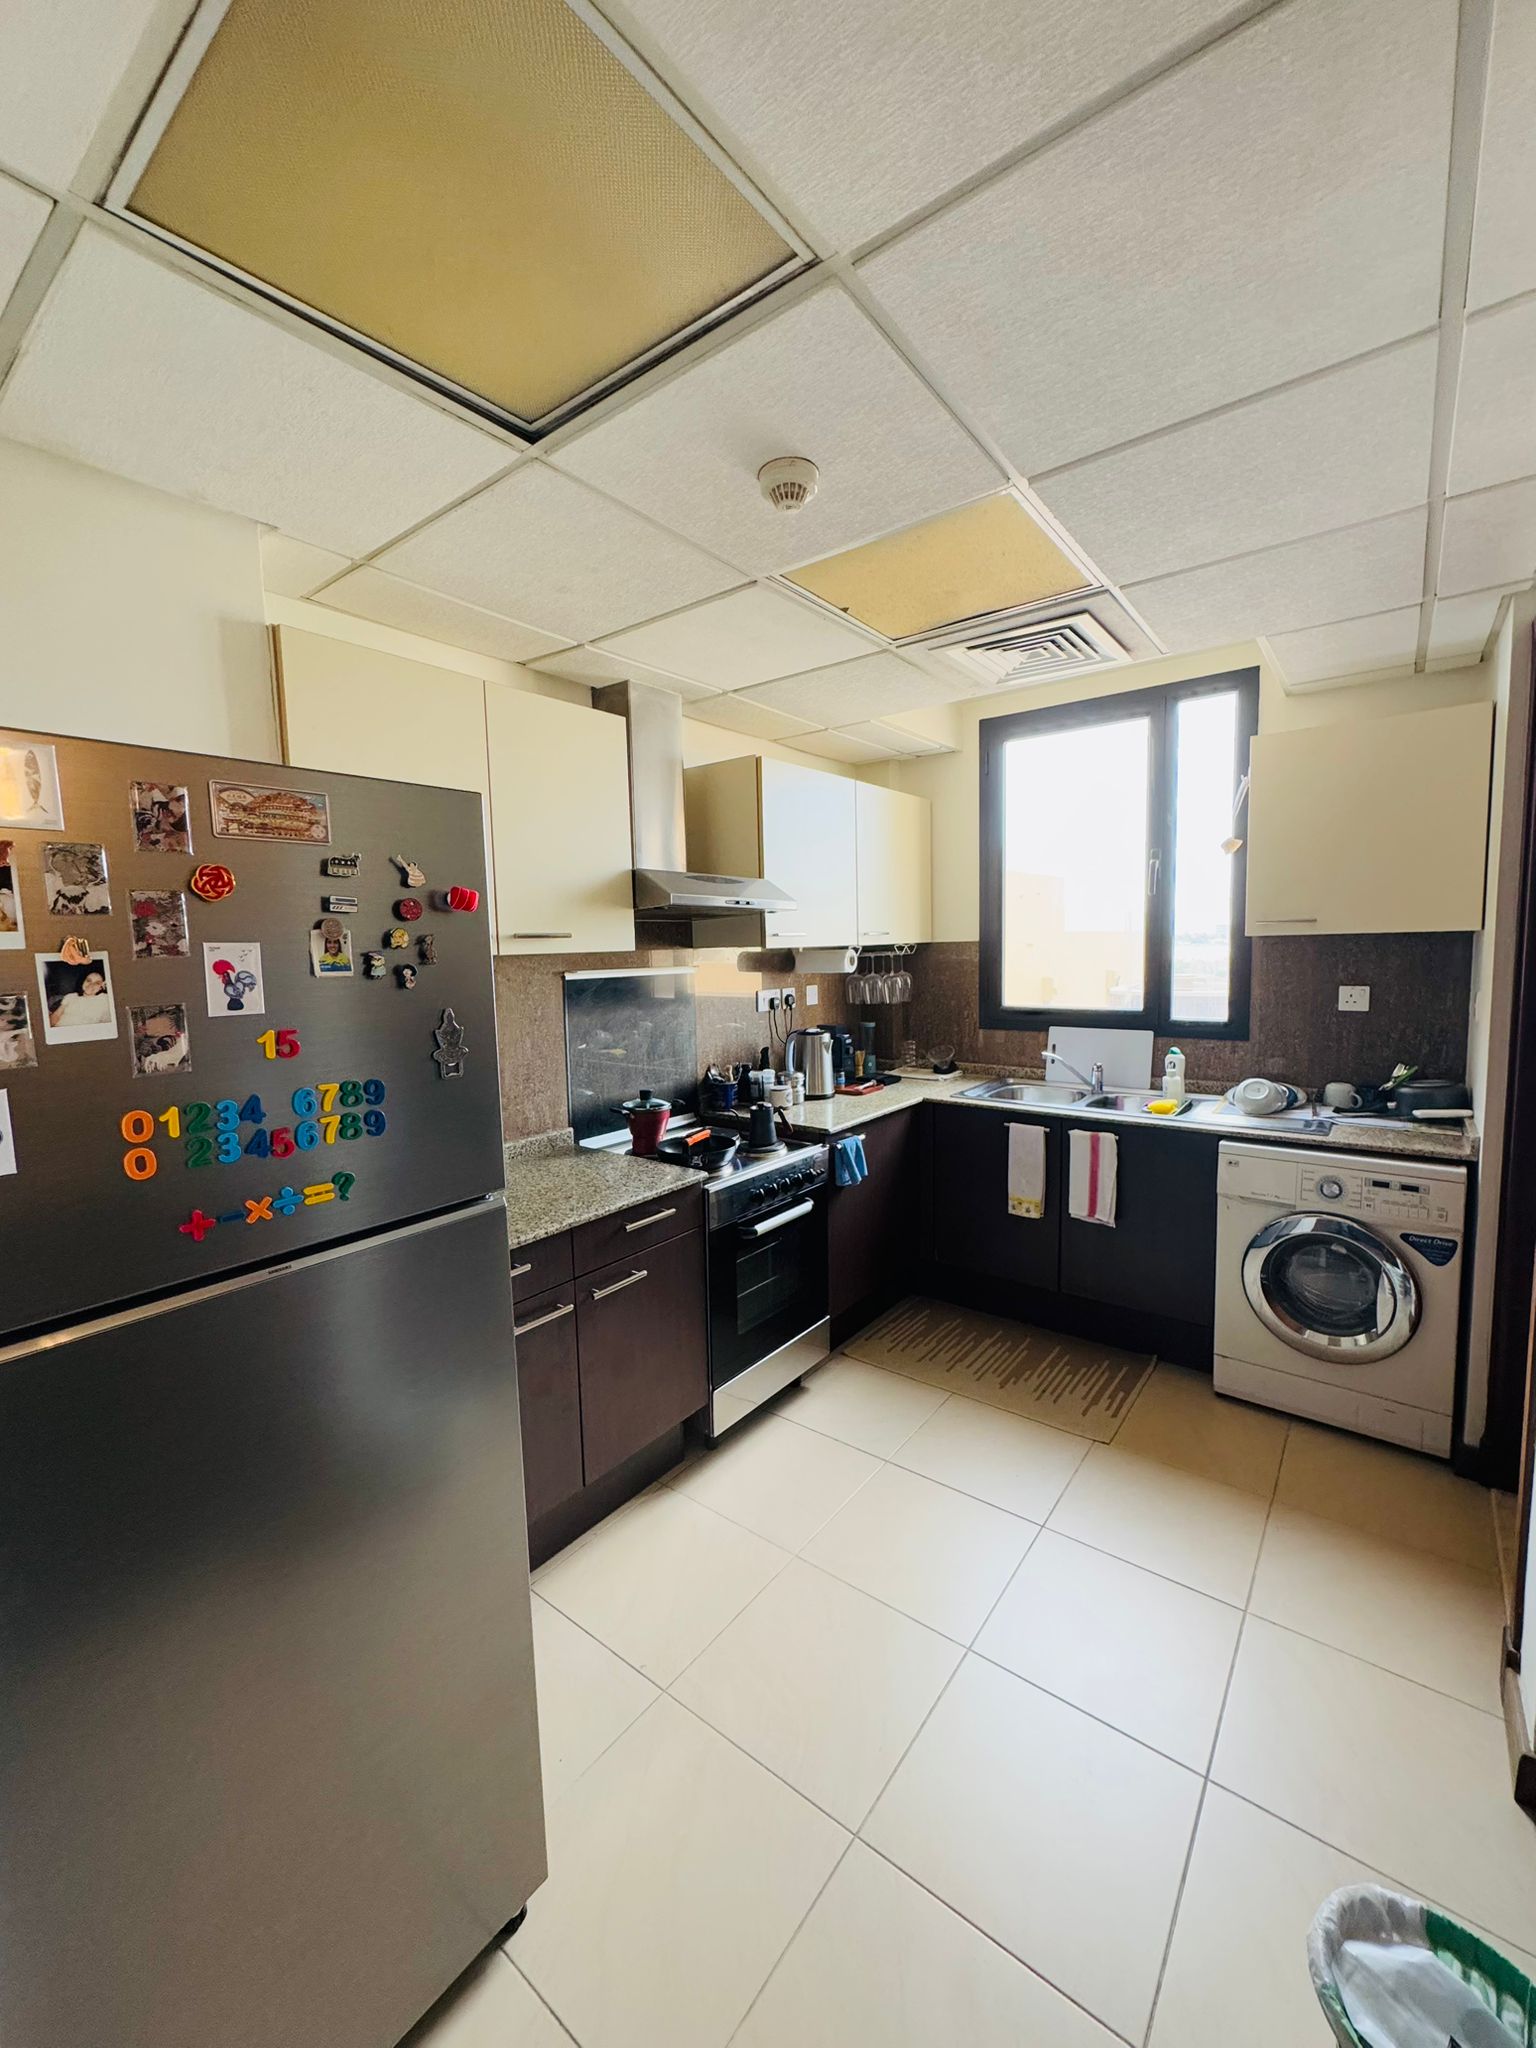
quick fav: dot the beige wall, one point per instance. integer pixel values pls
(951, 781)
(129, 615)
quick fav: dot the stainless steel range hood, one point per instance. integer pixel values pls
(666, 889)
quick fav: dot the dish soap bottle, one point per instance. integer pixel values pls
(1173, 1074)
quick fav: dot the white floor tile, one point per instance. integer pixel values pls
(777, 1479)
(822, 1684)
(1238, 1963)
(679, 1869)
(1009, 1460)
(661, 1580)
(1144, 1654)
(1389, 1493)
(936, 1554)
(861, 1404)
(1407, 1780)
(1419, 1615)
(587, 1697)
(493, 2007)
(1178, 1419)
(880, 1963)
(1188, 1528)
(1052, 1833)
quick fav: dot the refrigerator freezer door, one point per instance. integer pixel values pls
(79, 1233)
(268, 1752)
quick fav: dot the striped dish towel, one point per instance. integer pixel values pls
(1092, 1164)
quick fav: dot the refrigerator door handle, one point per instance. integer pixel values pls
(640, 1273)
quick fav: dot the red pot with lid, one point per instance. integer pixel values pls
(648, 1116)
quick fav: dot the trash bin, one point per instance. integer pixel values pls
(1391, 1972)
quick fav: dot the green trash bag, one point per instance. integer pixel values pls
(1391, 1972)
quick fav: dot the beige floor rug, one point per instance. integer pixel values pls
(1069, 1382)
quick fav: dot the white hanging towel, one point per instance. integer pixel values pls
(1092, 1166)
(1026, 1169)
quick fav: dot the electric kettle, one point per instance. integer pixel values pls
(811, 1051)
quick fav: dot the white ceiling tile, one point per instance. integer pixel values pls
(940, 92)
(745, 637)
(591, 666)
(58, 67)
(1305, 583)
(293, 568)
(136, 368)
(1271, 207)
(1490, 538)
(759, 721)
(541, 547)
(22, 214)
(1351, 647)
(389, 601)
(895, 739)
(1495, 434)
(1334, 451)
(842, 746)
(818, 379)
(1504, 230)
(858, 690)
(1461, 625)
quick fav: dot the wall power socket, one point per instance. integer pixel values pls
(1354, 995)
(768, 999)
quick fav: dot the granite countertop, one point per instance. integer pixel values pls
(1419, 1141)
(552, 1185)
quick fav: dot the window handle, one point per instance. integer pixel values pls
(1154, 870)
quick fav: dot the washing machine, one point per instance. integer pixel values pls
(1338, 1288)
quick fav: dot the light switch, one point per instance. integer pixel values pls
(1354, 995)
(812, 995)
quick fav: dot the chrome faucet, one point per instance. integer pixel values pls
(1093, 1082)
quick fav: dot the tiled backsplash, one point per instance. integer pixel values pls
(1420, 985)
(530, 1018)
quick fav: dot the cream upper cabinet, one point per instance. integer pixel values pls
(559, 777)
(1371, 825)
(794, 826)
(895, 866)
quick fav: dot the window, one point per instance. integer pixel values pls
(1107, 896)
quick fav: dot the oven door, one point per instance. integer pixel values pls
(767, 1284)
(1331, 1288)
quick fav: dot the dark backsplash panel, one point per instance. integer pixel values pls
(1420, 985)
(625, 1032)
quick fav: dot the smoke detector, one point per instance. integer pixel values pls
(789, 481)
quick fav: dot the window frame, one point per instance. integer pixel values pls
(1160, 706)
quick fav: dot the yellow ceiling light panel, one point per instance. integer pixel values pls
(987, 557)
(482, 186)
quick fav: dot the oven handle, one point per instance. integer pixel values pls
(777, 1222)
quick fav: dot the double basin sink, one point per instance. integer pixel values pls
(1064, 1095)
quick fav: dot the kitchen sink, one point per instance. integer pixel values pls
(1059, 1093)
(1135, 1100)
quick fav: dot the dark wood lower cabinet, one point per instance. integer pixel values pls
(972, 1228)
(640, 1330)
(549, 1397)
(1161, 1254)
(872, 1227)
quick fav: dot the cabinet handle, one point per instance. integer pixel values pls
(538, 935)
(1154, 871)
(874, 935)
(567, 1308)
(525, 1267)
(787, 935)
(1286, 920)
(645, 1222)
(628, 1281)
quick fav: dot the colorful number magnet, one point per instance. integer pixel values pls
(212, 881)
(341, 867)
(451, 1046)
(373, 966)
(410, 874)
(397, 937)
(409, 907)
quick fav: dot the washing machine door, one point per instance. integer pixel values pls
(1331, 1288)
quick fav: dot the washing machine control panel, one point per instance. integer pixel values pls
(1394, 1198)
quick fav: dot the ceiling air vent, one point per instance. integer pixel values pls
(1010, 650)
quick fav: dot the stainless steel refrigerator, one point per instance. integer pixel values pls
(268, 1749)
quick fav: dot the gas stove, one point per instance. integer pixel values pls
(748, 1183)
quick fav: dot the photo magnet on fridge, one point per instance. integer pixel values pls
(77, 999)
(161, 1041)
(18, 1048)
(75, 879)
(13, 926)
(330, 948)
(159, 919)
(161, 823)
(7, 1141)
(248, 810)
(232, 976)
(29, 786)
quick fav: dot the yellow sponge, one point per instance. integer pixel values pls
(1163, 1107)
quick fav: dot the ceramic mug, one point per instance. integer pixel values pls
(1341, 1095)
